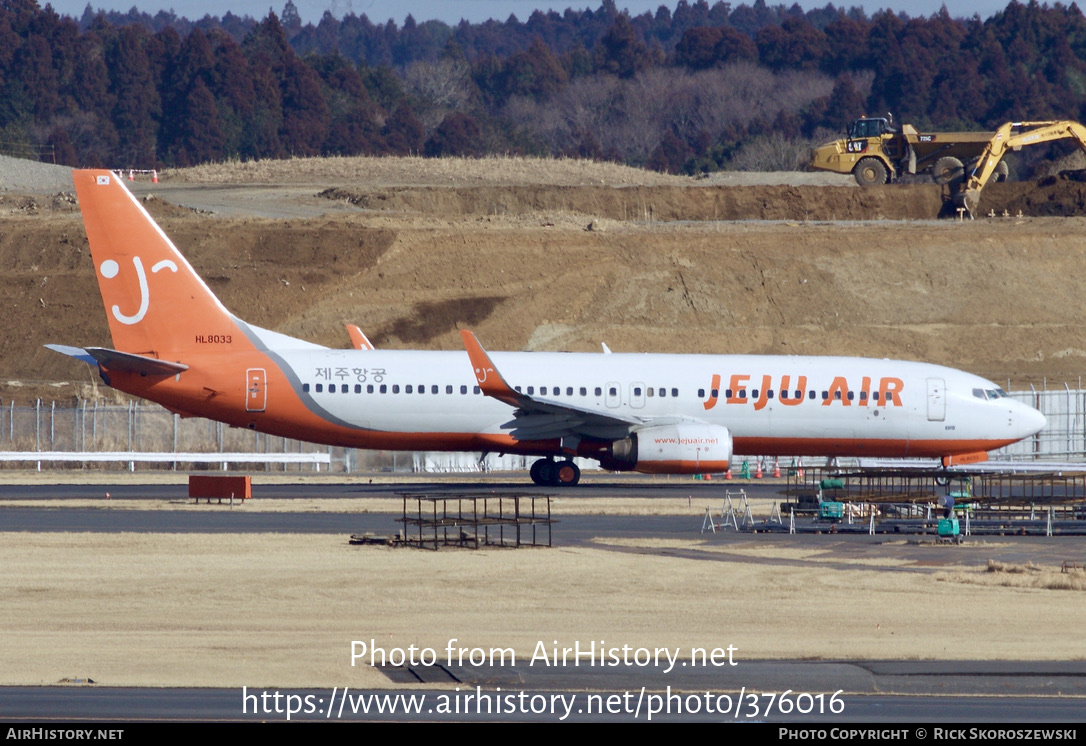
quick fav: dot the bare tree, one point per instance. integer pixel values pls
(437, 88)
(631, 117)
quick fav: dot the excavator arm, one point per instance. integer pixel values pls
(1013, 136)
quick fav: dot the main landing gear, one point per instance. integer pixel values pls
(547, 471)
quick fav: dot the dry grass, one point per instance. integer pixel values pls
(282, 610)
(414, 171)
(1010, 575)
(755, 550)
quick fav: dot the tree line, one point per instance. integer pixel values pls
(694, 88)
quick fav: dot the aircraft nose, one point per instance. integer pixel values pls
(1031, 421)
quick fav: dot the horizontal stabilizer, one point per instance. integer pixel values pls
(118, 361)
(77, 352)
(128, 362)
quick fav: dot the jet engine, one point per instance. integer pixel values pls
(687, 448)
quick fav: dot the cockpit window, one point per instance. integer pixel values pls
(990, 394)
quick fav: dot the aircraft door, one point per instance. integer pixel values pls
(256, 390)
(637, 395)
(936, 400)
(614, 396)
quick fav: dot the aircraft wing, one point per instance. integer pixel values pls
(542, 419)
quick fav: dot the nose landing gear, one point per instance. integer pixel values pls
(547, 471)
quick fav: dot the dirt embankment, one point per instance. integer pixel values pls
(664, 268)
(999, 297)
(657, 203)
(1049, 197)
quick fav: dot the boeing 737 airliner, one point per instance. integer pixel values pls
(175, 343)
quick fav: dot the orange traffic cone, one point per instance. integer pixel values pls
(728, 473)
(758, 470)
(131, 175)
(154, 176)
(799, 471)
(776, 469)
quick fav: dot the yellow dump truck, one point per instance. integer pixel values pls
(876, 152)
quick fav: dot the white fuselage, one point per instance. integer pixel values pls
(833, 405)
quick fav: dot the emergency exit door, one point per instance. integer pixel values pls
(256, 390)
(936, 400)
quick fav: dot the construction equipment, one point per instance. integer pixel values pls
(875, 152)
(1012, 136)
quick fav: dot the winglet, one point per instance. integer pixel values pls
(490, 380)
(359, 341)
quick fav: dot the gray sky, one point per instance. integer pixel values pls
(452, 11)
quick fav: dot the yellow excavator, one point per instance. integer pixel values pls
(1012, 136)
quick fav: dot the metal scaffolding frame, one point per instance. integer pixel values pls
(476, 520)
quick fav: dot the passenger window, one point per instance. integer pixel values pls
(569, 391)
(384, 388)
(716, 393)
(358, 388)
(637, 391)
(344, 389)
(863, 396)
(754, 393)
(784, 395)
(320, 387)
(675, 393)
(406, 389)
(742, 394)
(584, 391)
(701, 393)
(448, 389)
(599, 391)
(769, 394)
(825, 395)
(613, 391)
(305, 388)
(649, 392)
(850, 395)
(395, 388)
(369, 388)
(531, 390)
(518, 389)
(464, 389)
(422, 389)
(477, 390)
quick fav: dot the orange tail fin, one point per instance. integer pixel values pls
(155, 302)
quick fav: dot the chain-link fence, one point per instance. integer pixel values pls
(89, 426)
(1064, 438)
(149, 428)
